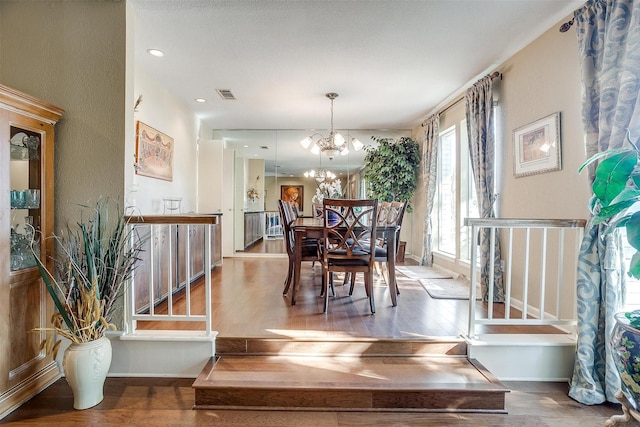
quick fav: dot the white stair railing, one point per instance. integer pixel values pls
(177, 253)
(539, 262)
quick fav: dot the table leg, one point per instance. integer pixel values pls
(297, 264)
(391, 265)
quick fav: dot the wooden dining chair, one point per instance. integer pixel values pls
(389, 213)
(348, 223)
(309, 247)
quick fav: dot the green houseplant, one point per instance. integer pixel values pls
(615, 202)
(391, 169)
(92, 263)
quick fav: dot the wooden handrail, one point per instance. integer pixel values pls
(174, 219)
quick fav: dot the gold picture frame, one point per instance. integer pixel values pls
(537, 147)
(154, 153)
(293, 194)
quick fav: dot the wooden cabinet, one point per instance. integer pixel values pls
(155, 259)
(26, 213)
(253, 228)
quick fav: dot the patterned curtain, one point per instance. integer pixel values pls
(429, 174)
(479, 108)
(609, 42)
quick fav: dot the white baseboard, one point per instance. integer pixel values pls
(157, 353)
(533, 357)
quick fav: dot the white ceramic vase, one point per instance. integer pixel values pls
(86, 366)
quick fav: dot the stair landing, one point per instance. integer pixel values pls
(339, 382)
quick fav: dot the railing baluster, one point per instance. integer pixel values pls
(207, 278)
(474, 282)
(492, 270)
(559, 286)
(543, 273)
(507, 273)
(170, 273)
(524, 268)
(525, 287)
(188, 272)
(152, 261)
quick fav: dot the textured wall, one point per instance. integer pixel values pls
(72, 54)
(541, 79)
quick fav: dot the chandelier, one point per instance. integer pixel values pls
(320, 175)
(332, 145)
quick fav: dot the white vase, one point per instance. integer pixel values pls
(86, 366)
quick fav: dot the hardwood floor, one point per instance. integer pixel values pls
(168, 402)
(248, 302)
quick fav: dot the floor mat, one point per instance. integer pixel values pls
(448, 288)
(421, 272)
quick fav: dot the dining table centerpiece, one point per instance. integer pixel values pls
(329, 190)
(91, 266)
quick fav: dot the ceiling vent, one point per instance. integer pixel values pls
(226, 94)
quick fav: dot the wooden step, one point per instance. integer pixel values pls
(450, 346)
(348, 383)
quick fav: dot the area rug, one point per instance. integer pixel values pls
(448, 288)
(421, 272)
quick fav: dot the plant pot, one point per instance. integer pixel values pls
(86, 366)
(625, 346)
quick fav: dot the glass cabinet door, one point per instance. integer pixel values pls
(25, 182)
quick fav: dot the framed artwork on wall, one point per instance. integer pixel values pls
(537, 147)
(154, 153)
(293, 194)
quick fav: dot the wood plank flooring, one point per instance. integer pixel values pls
(248, 302)
(163, 402)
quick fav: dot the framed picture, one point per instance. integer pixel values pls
(154, 153)
(537, 147)
(293, 194)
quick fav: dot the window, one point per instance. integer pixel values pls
(455, 197)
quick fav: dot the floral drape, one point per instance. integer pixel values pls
(479, 109)
(609, 42)
(429, 174)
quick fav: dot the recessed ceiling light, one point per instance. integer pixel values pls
(201, 100)
(155, 52)
(245, 146)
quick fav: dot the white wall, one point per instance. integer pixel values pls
(165, 113)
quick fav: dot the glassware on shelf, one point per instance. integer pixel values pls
(172, 204)
(24, 147)
(20, 245)
(32, 198)
(18, 199)
(25, 199)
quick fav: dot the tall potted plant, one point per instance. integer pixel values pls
(391, 169)
(391, 173)
(92, 264)
(616, 202)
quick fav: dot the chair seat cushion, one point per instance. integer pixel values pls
(348, 263)
(309, 250)
(380, 251)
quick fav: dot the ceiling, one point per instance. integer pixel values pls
(392, 62)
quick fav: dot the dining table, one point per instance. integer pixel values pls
(306, 227)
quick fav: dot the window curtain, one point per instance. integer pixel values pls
(479, 110)
(609, 42)
(430, 174)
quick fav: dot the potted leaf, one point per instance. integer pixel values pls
(92, 264)
(615, 202)
(391, 169)
(391, 172)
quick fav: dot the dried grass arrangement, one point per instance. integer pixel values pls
(93, 263)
